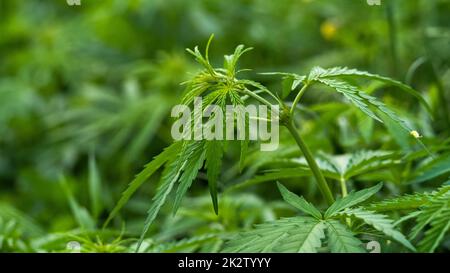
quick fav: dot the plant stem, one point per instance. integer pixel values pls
(257, 97)
(321, 182)
(343, 187)
(344, 194)
(298, 97)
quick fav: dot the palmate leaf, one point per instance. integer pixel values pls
(341, 239)
(318, 72)
(296, 234)
(337, 167)
(379, 222)
(366, 160)
(352, 199)
(168, 153)
(298, 202)
(364, 101)
(430, 209)
(436, 214)
(405, 202)
(440, 224)
(409, 201)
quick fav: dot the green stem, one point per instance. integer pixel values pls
(321, 182)
(343, 187)
(344, 194)
(257, 97)
(297, 98)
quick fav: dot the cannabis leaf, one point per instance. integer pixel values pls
(341, 239)
(299, 202)
(379, 222)
(214, 154)
(352, 199)
(287, 235)
(318, 72)
(436, 167)
(405, 202)
(149, 170)
(297, 234)
(436, 214)
(364, 101)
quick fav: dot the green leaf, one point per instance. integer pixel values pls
(435, 214)
(405, 202)
(437, 167)
(352, 199)
(214, 154)
(366, 161)
(298, 202)
(191, 167)
(379, 222)
(95, 187)
(231, 60)
(168, 153)
(364, 101)
(169, 178)
(297, 234)
(184, 245)
(341, 239)
(304, 242)
(439, 224)
(287, 85)
(318, 72)
(81, 214)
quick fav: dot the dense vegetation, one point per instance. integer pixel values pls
(87, 160)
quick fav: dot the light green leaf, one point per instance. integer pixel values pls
(298, 202)
(437, 167)
(405, 202)
(341, 239)
(168, 153)
(379, 222)
(190, 169)
(214, 154)
(297, 234)
(169, 178)
(81, 214)
(352, 199)
(364, 101)
(318, 72)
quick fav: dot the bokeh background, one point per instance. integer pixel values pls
(86, 92)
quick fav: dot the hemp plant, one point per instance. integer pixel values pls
(336, 229)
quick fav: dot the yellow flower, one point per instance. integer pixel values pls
(328, 30)
(415, 134)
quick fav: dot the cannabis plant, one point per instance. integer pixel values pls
(340, 224)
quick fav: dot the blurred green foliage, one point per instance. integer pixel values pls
(86, 93)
